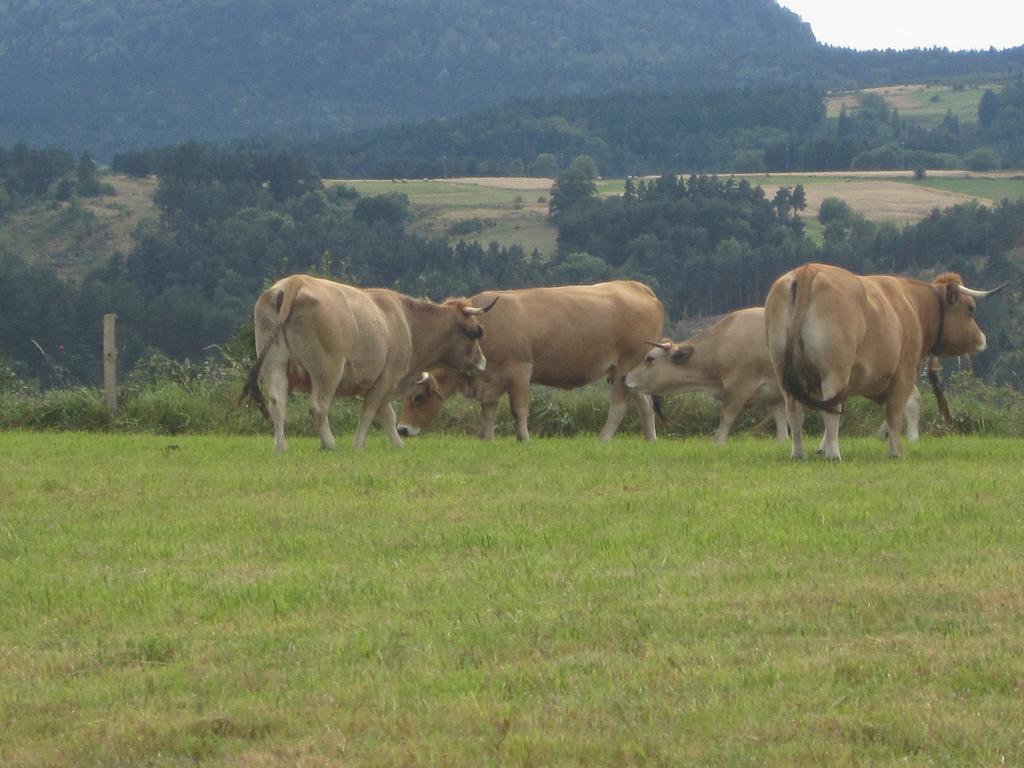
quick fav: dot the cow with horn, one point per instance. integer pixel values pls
(334, 340)
(833, 334)
(728, 361)
(560, 336)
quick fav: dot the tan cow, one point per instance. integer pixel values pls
(833, 334)
(334, 340)
(565, 337)
(728, 361)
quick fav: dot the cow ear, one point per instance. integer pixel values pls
(952, 294)
(681, 354)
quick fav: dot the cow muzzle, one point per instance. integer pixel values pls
(407, 430)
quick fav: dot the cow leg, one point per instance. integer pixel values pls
(831, 386)
(617, 409)
(373, 401)
(489, 410)
(321, 393)
(912, 415)
(830, 441)
(643, 405)
(883, 429)
(731, 408)
(779, 414)
(277, 393)
(795, 418)
(519, 400)
(388, 420)
(893, 417)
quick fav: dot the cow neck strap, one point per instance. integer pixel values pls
(942, 322)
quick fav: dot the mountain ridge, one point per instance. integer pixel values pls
(137, 73)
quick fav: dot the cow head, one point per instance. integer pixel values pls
(424, 401)
(960, 334)
(462, 351)
(665, 369)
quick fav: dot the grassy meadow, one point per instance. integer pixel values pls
(925, 105)
(187, 600)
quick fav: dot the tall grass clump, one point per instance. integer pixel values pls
(170, 397)
(977, 408)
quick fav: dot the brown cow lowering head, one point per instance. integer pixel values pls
(958, 331)
(423, 402)
(665, 369)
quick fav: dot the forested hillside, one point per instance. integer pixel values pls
(114, 76)
(232, 220)
(779, 128)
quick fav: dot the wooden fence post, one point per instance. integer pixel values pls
(110, 361)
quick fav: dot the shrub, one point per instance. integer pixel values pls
(164, 396)
(982, 159)
(467, 227)
(79, 408)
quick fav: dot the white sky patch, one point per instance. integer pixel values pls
(902, 24)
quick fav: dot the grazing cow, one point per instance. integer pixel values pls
(832, 334)
(565, 337)
(728, 361)
(334, 340)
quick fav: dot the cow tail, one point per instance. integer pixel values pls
(792, 382)
(284, 302)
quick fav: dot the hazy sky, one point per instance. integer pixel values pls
(913, 23)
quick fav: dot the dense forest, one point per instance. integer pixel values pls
(232, 220)
(772, 129)
(110, 77)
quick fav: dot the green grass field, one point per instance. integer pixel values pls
(994, 189)
(512, 216)
(200, 600)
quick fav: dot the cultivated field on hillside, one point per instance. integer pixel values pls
(201, 600)
(76, 237)
(923, 104)
(512, 211)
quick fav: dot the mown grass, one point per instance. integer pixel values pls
(994, 189)
(200, 600)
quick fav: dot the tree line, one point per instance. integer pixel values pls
(232, 221)
(130, 75)
(765, 129)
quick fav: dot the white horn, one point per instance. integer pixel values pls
(480, 310)
(665, 345)
(982, 294)
(424, 378)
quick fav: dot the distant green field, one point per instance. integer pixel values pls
(446, 193)
(990, 189)
(512, 216)
(201, 600)
(923, 104)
